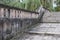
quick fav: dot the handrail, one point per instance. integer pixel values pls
(41, 13)
(10, 7)
(13, 12)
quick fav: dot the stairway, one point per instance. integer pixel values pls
(50, 24)
(48, 29)
(51, 17)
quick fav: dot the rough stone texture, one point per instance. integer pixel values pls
(39, 37)
(51, 17)
(51, 28)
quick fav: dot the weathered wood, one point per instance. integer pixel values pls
(51, 17)
(15, 20)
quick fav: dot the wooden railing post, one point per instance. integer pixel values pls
(2, 12)
(16, 18)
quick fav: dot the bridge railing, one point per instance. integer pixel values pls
(14, 19)
(12, 12)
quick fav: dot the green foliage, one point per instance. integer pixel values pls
(31, 5)
(57, 8)
(58, 2)
(58, 5)
(25, 4)
(47, 4)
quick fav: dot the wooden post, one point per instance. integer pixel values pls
(2, 31)
(14, 13)
(11, 15)
(19, 14)
(2, 12)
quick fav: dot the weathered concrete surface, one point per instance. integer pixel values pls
(52, 31)
(52, 28)
(51, 17)
(44, 31)
(39, 37)
(48, 30)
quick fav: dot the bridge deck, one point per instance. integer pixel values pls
(42, 31)
(48, 30)
(52, 28)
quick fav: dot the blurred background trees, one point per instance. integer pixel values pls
(57, 8)
(24, 4)
(32, 5)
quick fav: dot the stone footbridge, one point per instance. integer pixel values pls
(20, 24)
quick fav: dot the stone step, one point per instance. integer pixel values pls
(39, 37)
(42, 31)
(53, 28)
(51, 17)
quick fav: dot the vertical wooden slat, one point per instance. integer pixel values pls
(17, 26)
(13, 28)
(12, 25)
(1, 31)
(2, 12)
(6, 13)
(20, 14)
(16, 13)
(5, 27)
(11, 12)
